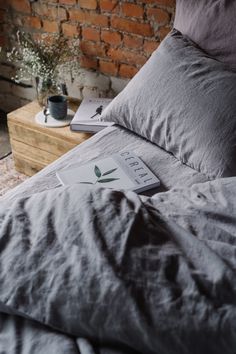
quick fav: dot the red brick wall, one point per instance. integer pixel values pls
(116, 37)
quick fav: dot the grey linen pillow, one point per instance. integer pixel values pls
(210, 24)
(185, 102)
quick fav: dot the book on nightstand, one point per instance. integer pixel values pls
(87, 116)
(122, 170)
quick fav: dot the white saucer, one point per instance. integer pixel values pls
(52, 122)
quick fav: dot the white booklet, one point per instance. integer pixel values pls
(87, 116)
(122, 170)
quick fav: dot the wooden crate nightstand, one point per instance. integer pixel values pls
(35, 146)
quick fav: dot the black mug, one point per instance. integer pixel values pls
(57, 106)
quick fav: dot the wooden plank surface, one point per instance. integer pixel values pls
(35, 154)
(44, 141)
(35, 146)
(27, 166)
(25, 116)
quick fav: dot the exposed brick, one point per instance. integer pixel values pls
(149, 46)
(159, 15)
(40, 9)
(78, 15)
(98, 20)
(110, 37)
(93, 49)
(89, 63)
(89, 17)
(163, 31)
(91, 34)
(116, 37)
(70, 30)
(57, 13)
(126, 25)
(133, 41)
(21, 6)
(88, 4)
(126, 56)
(108, 5)
(107, 67)
(50, 26)
(67, 2)
(127, 71)
(32, 22)
(132, 10)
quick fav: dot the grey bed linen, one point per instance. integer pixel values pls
(157, 276)
(22, 336)
(14, 331)
(110, 140)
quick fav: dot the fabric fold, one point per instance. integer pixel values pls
(152, 276)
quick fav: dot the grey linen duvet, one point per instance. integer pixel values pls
(83, 270)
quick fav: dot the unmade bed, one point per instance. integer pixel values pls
(91, 271)
(94, 270)
(169, 170)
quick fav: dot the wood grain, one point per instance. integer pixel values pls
(35, 146)
(27, 166)
(33, 153)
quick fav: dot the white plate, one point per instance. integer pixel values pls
(52, 122)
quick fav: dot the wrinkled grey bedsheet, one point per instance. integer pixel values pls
(131, 275)
(110, 140)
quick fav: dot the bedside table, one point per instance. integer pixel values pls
(35, 146)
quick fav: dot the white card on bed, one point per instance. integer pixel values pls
(122, 170)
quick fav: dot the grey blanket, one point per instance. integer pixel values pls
(165, 166)
(99, 269)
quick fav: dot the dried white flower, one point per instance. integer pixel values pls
(48, 58)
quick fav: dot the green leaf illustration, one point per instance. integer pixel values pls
(97, 171)
(106, 180)
(109, 172)
(85, 182)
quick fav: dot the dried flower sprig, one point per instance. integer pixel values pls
(50, 57)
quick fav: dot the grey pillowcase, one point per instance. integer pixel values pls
(210, 24)
(185, 102)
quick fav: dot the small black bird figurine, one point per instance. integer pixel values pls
(98, 111)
